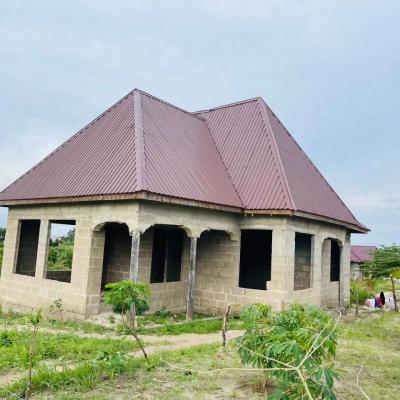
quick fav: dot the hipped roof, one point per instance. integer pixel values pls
(238, 155)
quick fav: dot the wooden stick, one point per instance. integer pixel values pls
(224, 325)
(394, 293)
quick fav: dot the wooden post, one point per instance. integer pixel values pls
(396, 308)
(191, 278)
(357, 303)
(134, 263)
(224, 325)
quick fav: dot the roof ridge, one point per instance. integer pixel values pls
(265, 119)
(139, 141)
(236, 103)
(312, 164)
(168, 104)
(223, 162)
(58, 148)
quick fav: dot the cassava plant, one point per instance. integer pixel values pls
(130, 299)
(294, 347)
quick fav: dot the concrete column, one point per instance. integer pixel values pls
(316, 271)
(344, 283)
(282, 262)
(134, 263)
(191, 278)
(87, 266)
(10, 247)
(41, 259)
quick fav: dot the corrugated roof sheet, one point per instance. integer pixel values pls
(362, 253)
(99, 159)
(236, 155)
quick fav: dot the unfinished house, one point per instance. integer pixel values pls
(210, 208)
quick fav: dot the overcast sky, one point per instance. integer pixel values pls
(329, 69)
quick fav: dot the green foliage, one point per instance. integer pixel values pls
(365, 289)
(280, 340)
(60, 257)
(2, 234)
(163, 313)
(57, 307)
(1, 254)
(386, 259)
(66, 347)
(124, 295)
(115, 362)
(5, 339)
(60, 252)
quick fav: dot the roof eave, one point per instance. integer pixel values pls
(294, 213)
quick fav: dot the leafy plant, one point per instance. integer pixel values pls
(115, 362)
(125, 295)
(163, 313)
(5, 339)
(364, 289)
(295, 347)
(57, 307)
(130, 298)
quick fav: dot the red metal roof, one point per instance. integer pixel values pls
(236, 155)
(362, 253)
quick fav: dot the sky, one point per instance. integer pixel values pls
(329, 69)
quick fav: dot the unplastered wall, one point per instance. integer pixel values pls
(81, 296)
(217, 272)
(320, 267)
(329, 290)
(169, 295)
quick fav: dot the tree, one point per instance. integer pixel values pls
(385, 260)
(2, 234)
(385, 264)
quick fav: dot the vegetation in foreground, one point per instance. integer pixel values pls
(183, 374)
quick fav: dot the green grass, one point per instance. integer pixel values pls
(385, 285)
(200, 327)
(13, 318)
(166, 317)
(375, 340)
(66, 348)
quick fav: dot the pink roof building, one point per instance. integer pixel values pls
(148, 169)
(360, 254)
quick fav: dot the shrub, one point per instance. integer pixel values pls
(123, 295)
(280, 340)
(364, 288)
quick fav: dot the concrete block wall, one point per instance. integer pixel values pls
(217, 274)
(117, 253)
(302, 261)
(169, 295)
(81, 297)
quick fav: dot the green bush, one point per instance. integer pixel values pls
(60, 256)
(123, 295)
(365, 289)
(282, 340)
